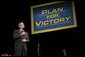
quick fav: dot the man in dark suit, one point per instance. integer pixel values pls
(21, 38)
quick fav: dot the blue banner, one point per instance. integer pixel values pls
(53, 16)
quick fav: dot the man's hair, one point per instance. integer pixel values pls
(21, 22)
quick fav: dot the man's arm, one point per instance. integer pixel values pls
(16, 34)
(25, 37)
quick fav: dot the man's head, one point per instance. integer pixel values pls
(21, 25)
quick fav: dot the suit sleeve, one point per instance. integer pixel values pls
(26, 35)
(16, 34)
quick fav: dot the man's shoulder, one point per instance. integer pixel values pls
(16, 30)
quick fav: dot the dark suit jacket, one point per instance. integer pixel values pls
(17, 36)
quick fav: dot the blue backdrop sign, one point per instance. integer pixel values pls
(53, 16)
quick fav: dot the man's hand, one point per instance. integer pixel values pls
(23, 33)
(24, 40)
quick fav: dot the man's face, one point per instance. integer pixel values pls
(21, 25)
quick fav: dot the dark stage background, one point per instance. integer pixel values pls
(51, 43)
